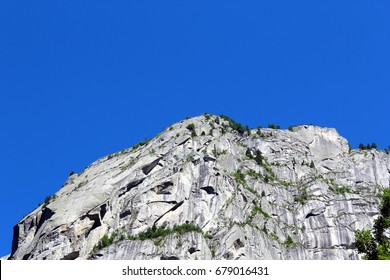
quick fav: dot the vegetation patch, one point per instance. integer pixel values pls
(340, 190)
(273, 126)
(129, 164)
(142, 143)
(191, 127)
(302, 198)
(217, 153)
(235, 125)
(376, 246)
(158, 234)
(289, 242)
(104, 242)
(257, 209)
(368, 147)
(239, 177)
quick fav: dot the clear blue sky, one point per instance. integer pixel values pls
(82, 79)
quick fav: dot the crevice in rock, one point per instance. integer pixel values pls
(163, 201)
(209, 190)
(170, 258)
(208, 158)
(103, 211)
(238, 244)
(97, 223)
(124, 214)
(183, 142)
(149, 167)
(311, 215)
(32, 224)
(162, 189)
(71, 256)
(130, 186)
(228, 255)
(324, 166)
(193, 250)
(47, 213)
(170, 210)
(26, 256)
(15, 239)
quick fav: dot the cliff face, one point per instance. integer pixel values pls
(203, 190)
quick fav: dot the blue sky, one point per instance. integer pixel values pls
(82, 79)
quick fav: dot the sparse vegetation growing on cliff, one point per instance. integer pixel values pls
(191, 127)
(235, 125)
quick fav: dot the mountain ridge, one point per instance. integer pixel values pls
(210, 188)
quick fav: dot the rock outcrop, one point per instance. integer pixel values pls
(204, 189)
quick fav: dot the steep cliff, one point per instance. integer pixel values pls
(206, 188)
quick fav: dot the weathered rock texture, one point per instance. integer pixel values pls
(273, 194)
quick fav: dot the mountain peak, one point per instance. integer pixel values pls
(209, 188)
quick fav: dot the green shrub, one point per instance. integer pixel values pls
(368, 147)
(302, 198)
(142, 143)
(217, 153)
(253, 173)
(258, 209)
(273, 126)
(235, 125)
(239, 177)
(289, 242)
(340, 190)
(376, 247)
(47, 199)
(259, 157)
(161, 232)
(104, 242)
(191, 127)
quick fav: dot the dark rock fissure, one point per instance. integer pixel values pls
(15, 239)
(183, 142)
(97, 222)
(124, 214)
(162, 189)
(311, 215)
(238, 244)
(71, 256)
(149, 167)
(26, 256)
(163, 201)
(170, 258)
(193, 250)
(47, 213)
(209, 190)
(170, 210)
(103, 211)
(130, 186)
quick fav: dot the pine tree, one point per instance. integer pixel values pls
(376, 247)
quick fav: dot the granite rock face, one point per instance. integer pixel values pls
(263, 194)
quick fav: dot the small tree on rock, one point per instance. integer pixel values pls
(377, 246)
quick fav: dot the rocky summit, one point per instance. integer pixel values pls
(209, 188)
